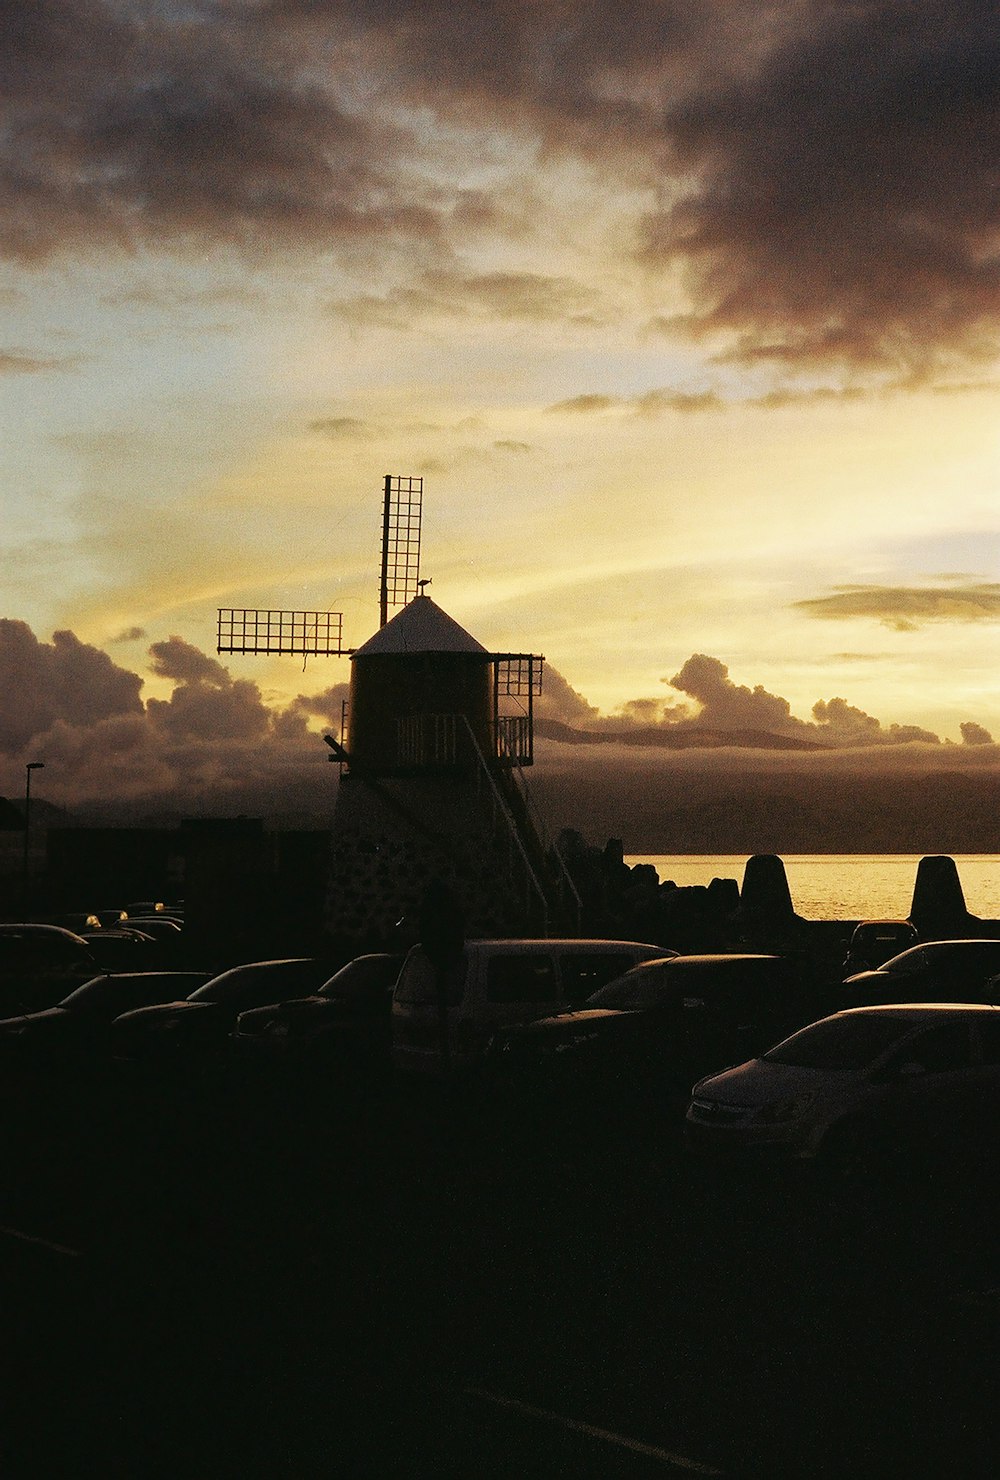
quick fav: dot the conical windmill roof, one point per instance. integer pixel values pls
(421, 627)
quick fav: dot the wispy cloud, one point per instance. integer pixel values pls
(16, 362)
(905, 608)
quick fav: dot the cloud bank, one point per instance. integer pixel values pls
(216, 747)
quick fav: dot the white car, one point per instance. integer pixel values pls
(916, 1076)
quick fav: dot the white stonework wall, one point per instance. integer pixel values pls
(383, 857)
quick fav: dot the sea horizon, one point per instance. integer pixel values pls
(847, 886)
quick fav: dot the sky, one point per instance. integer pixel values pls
(688, 315)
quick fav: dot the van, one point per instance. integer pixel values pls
(494, 983)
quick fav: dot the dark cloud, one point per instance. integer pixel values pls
(973, 734)
(464, 456)
(728, 706)
(341, 428)
(178, 659)
(200, 710)
(817, 395)
(905, 608)
(586, 405)
(652, 403)
(160, 128)
(65, 680)
(214, 744)
(328, 705)
(844, 725)
(828, 169)
(561, 702)
(721, 708)
(843, 207)
(131, 634)
(666, 399)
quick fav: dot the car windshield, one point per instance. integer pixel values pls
(638, 989)
(107, 996)
(90, 995)
(971, 955)
(839, 1042)
(257, 980)
(916, 959)
(362, 977)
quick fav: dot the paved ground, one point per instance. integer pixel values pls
(233, 1285)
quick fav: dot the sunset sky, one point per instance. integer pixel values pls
(687, 313)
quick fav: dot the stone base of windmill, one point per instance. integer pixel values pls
(391, 839)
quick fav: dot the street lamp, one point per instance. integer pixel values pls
(31, 766)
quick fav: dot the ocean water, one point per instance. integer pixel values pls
(842, 886)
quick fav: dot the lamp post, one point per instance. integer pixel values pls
(31, 766)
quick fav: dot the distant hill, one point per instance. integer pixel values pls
(43, 814)
(673, 737)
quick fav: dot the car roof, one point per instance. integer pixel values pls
(129, 976)
(543, 942)
(971, 940)
(27, 931)
(556, 1020)
(707, 958)
(917, 1010)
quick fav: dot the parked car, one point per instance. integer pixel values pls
(650, 1033)
(78, 921)
(493, 983)
(77, 1029)
(347, 1017)
(112, 918)
(160, 927)
(882, 1085)
(170, 950)
(938, 971)
(201, 1024)
(873, 942)
(40, 964)
(122, 950)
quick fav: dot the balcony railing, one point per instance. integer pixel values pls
(437, 741)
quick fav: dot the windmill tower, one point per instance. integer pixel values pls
(439, 731)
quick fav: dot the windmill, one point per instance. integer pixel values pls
(438, 732)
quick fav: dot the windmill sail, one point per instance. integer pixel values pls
(253, 630)
(402, 508)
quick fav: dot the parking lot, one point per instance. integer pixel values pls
(242, 1282)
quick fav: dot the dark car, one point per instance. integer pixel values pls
(170, 948)
(40, 964)
(721, 1003)
(160, 927)
(650, 1034)
(874, 942)
(112, 918)
(122, 950)
(77, 1029)
(938, 971)
(346, 1019)
(200, 1025)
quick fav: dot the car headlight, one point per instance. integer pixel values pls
(789, 1109)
